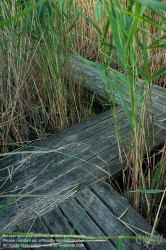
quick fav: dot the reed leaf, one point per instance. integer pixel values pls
(116, 33)
(139, 12)
(119, 244)
(152, 4)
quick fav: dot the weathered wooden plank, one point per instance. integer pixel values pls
(58, 224)
(79, 152)
(104, 218)
(82, 174)
(89, 79)
(12, 242)
(20, 211)
(119, 206)
(160, 91)
(160, 120)
(157, 97)
(66, 137)
(38, 226)
(61, 175)
(91, 147)
(95, 84)
(84, 224)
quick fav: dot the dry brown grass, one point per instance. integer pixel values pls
(86, 42)
(36, 100)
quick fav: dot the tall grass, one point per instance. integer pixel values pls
(129, 46)
(88, 43)
(38, 91)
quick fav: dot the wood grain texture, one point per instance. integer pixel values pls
(84, 224)
(95, 84)
(104, 218)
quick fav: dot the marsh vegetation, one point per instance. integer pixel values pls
(39, 93)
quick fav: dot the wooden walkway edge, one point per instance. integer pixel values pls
(96, 85)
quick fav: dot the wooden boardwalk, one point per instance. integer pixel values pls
(60, 166)
(96, 211)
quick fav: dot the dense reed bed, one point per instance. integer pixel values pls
(39, 93)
